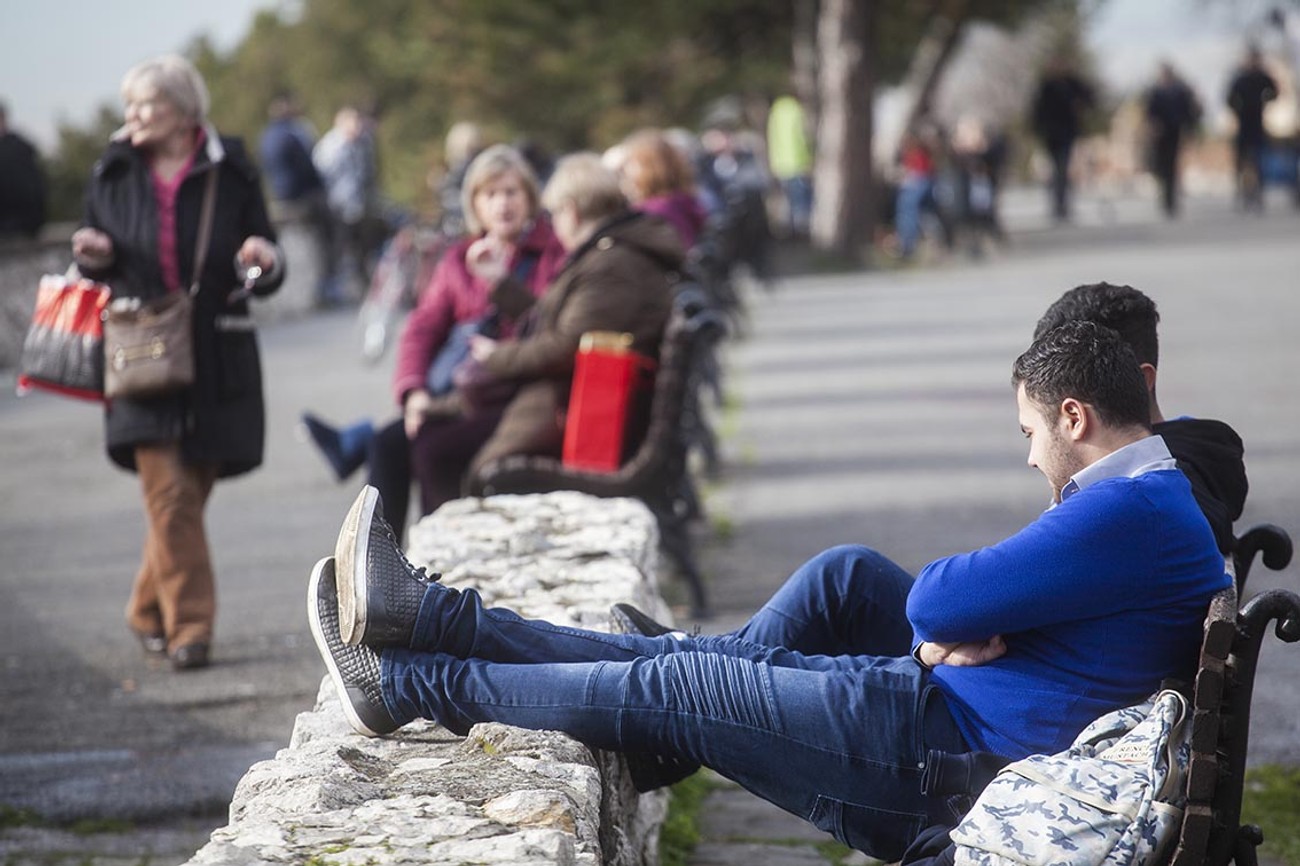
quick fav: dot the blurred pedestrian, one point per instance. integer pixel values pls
(790, 158)
(345, 158)
(297, 191)
(140, 235)
(1172, 109)
(657, 179)
(918, 159)
(978, 158)
(735, 181)
(1251, 89)
(1059, 106)
(22, 183)
(464, 141)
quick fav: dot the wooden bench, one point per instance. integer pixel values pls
(1212, 833)
(658, 473)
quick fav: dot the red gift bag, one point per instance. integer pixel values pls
(606, 377)
(64, 347)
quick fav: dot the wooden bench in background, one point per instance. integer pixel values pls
(658, 473)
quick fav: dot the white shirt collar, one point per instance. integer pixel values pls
(1137, 458)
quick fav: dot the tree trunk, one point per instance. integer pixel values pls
(933, 54)
(803, 75)
(843, 207)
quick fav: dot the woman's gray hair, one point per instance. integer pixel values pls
(176, 79)
(489, 165)
(581, 179)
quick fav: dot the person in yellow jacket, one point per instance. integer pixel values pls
(790, 158)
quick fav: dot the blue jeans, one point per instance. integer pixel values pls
(914, 194)
(840, 740)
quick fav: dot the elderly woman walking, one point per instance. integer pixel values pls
(140, 235)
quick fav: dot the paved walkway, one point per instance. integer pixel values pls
(876, 409)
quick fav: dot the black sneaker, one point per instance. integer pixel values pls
(379, 589)
(630, 620)
(649, 771)
(355, 670)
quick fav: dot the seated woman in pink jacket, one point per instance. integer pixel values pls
(512, 252)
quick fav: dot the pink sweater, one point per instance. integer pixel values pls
(454, 295)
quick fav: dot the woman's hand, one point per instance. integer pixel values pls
(415, 410)
(487, 259)
(256, 251)
(965, 654)
(92, 248)
(481, 348)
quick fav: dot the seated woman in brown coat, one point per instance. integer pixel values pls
(618, 277)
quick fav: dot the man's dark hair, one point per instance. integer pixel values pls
(1090, 363)
(1122, 308)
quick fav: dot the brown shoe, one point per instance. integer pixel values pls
(154, 643)
(190, 657)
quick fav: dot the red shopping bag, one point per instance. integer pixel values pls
(607, 375)
(64, 347)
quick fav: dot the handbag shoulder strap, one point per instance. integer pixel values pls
(205, 228)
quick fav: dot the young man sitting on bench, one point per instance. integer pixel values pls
(1014, 648)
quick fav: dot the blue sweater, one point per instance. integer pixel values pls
(1099, 599)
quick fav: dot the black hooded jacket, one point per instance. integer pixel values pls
(1210, 454)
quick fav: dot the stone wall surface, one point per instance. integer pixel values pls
(501, 795)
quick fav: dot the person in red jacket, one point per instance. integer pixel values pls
(511, 253)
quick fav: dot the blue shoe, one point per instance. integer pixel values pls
(344, 450)
(355, 670)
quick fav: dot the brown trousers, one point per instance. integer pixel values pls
(174, 592)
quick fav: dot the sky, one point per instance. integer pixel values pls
(64, 58)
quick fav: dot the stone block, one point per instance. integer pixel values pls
(499, 795)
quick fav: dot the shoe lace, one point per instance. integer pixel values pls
(418, 572)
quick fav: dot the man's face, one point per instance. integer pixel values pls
(1051, 450)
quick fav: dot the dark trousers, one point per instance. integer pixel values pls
(389, 461)
(442, 451)
(436, 459)
(1060, 153)
(1164, 162)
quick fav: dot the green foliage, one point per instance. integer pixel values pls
(680, 832)
(14, 817)
(1272, 800)
(566, 73)
(69, 169)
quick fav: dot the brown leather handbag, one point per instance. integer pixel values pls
(149, 345)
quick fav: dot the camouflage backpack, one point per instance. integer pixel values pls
(1114, 797)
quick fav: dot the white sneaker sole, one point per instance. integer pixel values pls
(324, 570)
(351, 553)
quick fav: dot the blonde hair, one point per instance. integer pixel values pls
(497, 160)
(653, 166)
(581, 179)
(176, 79)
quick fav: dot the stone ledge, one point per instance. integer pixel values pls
(502, 795)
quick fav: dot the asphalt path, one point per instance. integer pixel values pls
(869, 408)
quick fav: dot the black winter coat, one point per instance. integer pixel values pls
(221, 419)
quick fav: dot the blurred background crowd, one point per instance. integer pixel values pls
(366, 116)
